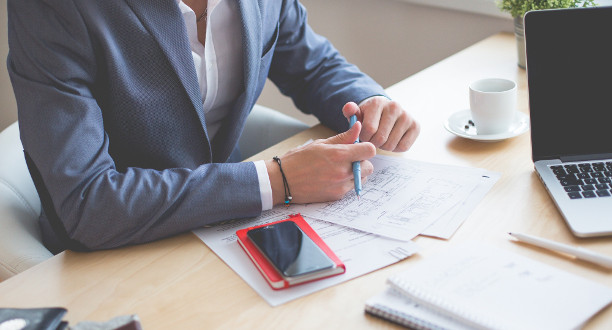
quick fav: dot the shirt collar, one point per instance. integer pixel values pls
(211, 4)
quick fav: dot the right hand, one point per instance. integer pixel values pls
(321, 171)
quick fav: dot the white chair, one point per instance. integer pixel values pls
(266, 127)
(20, 238)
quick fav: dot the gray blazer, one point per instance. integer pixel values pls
(111, 116)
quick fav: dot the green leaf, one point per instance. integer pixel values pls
(518, 8)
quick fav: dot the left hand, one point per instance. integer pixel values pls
(384, 123)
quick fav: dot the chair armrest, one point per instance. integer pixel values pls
(20, 238)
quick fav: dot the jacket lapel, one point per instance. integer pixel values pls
(231, 129)
(251, 40)
(163, 19)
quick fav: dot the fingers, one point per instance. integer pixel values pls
(409, 137)
(387, 125)
(349, 150)
(372, 110)
(392, 120)
(336, 158)
(366, 169)
(347, 137)
(362, 151)
(351, 108)
(403, 134)
(348, 182)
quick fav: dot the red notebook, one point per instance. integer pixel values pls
(269, 272)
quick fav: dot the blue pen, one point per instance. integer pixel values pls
(356, 165)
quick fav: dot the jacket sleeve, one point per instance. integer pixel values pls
(312, 72)
(54, 72)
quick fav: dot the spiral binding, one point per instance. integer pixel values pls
(439, 304)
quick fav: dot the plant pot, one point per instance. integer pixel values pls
(519, 33)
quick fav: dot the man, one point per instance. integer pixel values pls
(130, 112)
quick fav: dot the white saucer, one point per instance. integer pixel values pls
(460, 124)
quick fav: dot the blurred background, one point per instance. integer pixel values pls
(387, 39)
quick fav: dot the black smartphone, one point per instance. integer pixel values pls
(290, 250)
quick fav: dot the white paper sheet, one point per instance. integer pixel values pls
(403, 198)
(449, 222)
(361, 253)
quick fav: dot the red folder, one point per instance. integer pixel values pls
(274, 278)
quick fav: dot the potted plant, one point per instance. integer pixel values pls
(518, 8)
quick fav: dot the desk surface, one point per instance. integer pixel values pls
(180, 283)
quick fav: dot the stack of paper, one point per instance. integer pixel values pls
(402, 199)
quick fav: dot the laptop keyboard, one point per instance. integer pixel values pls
(585, 180)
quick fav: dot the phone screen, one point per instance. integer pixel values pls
(289, 249)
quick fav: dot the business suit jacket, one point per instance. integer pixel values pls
(111, 116)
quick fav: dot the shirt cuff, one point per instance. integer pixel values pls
(265, 188)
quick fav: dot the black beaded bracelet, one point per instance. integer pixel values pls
(288, 197)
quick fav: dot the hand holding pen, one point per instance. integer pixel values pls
(319, 171)
(385, 124)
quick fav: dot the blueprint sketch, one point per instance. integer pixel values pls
(401, 199)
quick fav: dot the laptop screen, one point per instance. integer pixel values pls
(569, 72)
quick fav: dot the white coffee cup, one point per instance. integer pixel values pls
(493, 105)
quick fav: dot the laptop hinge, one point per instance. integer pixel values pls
(579, 158)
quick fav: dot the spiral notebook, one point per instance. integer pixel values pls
(483, 287)
(393, 306)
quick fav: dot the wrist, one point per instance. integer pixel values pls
(276, 182)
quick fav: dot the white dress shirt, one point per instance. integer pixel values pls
(219, 66)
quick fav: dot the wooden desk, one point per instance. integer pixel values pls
(178, 283)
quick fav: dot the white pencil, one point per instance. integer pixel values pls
(577, 252)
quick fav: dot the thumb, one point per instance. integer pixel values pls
(348, 137)
(351, 108)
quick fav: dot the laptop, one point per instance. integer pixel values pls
(569, 73)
